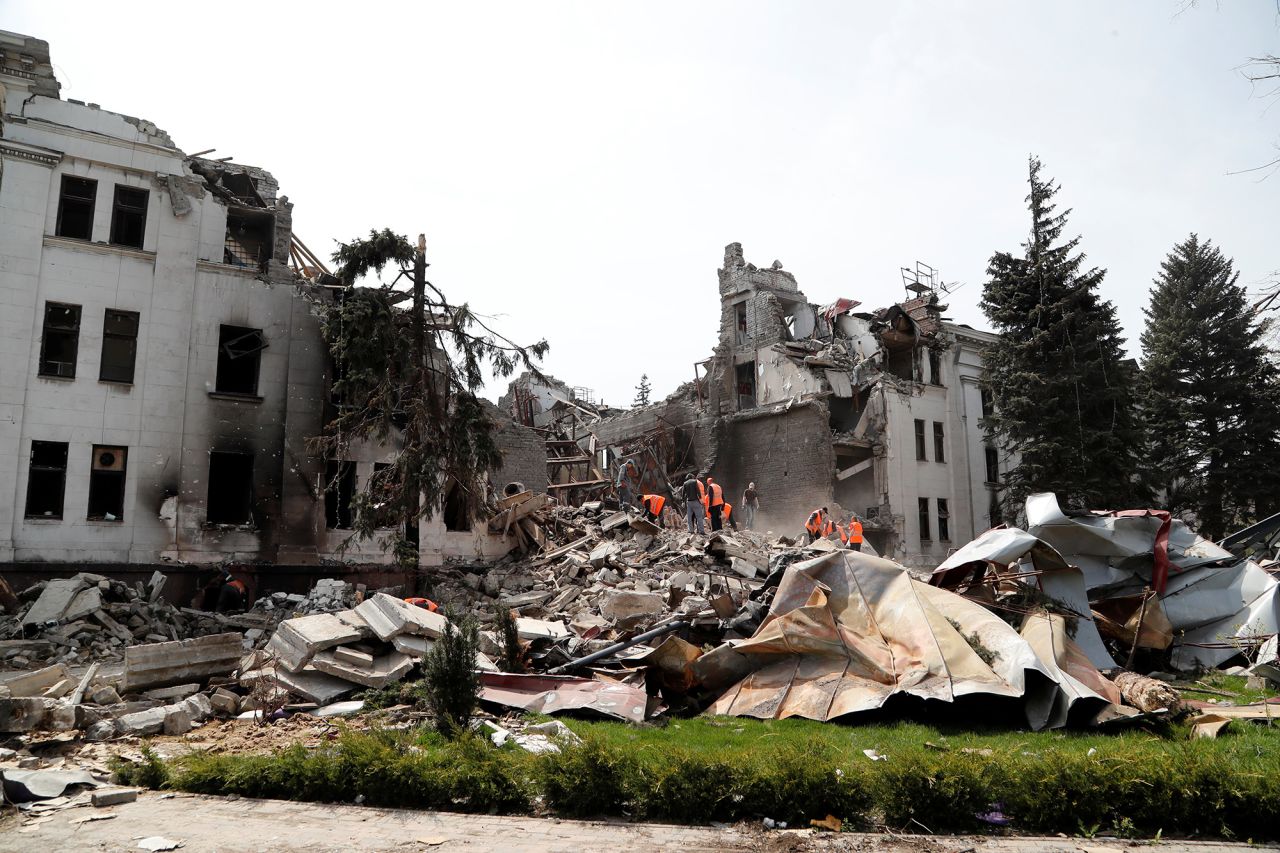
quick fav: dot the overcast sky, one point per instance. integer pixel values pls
(579, 167)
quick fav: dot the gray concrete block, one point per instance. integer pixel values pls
(314, 686)
(384, 670)
(177, 720)
(389, 616)
(113, 796)
(54, 601)
(140, 723)
(181, 661)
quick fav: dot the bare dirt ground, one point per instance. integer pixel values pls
(232, 825)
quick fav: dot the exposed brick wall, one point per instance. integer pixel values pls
(789, 457)
(524, 455)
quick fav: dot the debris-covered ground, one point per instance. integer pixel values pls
(1095, 621)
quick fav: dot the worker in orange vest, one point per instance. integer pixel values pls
(424, 603)
(715, 503)
(726, 515)
(652, 506)
(853, 536)
(232, 595)
(818, 525)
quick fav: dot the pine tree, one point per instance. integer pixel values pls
(642, 391)
(1209, 393)
(1063, 392)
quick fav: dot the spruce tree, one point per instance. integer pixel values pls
(642, 391)
(1209, 393)
(1063, 392)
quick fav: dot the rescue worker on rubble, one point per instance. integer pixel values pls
(652, 506)
(726, 516)
(852, 535)
(424, 603)
(715, 503)
(231, 597)
(626, 474)
(750, 503)
(818, 525)
(692, 493)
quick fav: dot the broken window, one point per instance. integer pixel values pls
(340, 485)
(119, 346)
(61, 340)
(988, 403)
(230, 498)
(993, 465)
(923, 511)
(129, 216)
(935, 366)
(250, 239)
(746, 383)
(457, 516)
(75, 208)
(920, 445)
(106, 483)
(740, 322)
(993, 510)
(939, 443)
(46, 479)
(944, 521)
(239, 356)
(380, 490)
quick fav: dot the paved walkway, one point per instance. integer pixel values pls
(225, 825)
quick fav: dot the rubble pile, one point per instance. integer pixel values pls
(89, 617)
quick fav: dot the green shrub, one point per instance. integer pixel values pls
(449, 670)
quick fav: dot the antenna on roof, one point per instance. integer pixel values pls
(921, 280)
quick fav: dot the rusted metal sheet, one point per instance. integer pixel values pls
(847, 631)
(551, 694)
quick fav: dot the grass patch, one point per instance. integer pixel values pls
(698, 770)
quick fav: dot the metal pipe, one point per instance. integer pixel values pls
(617, 647)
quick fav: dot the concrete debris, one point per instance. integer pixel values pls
(113, 797)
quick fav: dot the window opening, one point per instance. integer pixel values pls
(457, 516)
(239, 357)
(129, 216)
(939, 443)
(340, 485)
(993, 465)
(230, 499)
(119, 346)
(920, 445)
(988, 403)
(746, 383)
(60, 342)
(944, 521)
(249, 240)
(935, 367)
(740, 318)
(922, 506)
(46, 479)
(75, 208)
(106, 483)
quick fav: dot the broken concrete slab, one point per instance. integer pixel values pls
(314, 686)
(113, 797)
(172, 694)
(156, 586)
(87, 601)
(225, 702)
(53, 601)
(177, 721)
(389, 616)
(602, 553)
(414, 647)
(35, 683)
(626, 607)
(346, 654)
(141, 723)
(23, 713)
(384, 669)
(181, 661)
(538, 629)
(317, 632)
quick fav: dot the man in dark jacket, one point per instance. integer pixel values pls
(691, 492)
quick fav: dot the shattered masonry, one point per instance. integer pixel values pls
(874, 412)
(163, 362)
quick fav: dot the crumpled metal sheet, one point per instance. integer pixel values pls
(1055, 578)
(552, 694)
(847, 631)
(23, 786)
(1214, 601)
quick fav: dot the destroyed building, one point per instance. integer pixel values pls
(163, 359)
(875, 412)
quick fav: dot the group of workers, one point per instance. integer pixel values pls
(821, 526)
(704, 501)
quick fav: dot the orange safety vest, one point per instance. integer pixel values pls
(717, 495)
(814, 524)
(238, 584)
(424, 602)
(855, 531)
(654, 503)
(724, 513)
